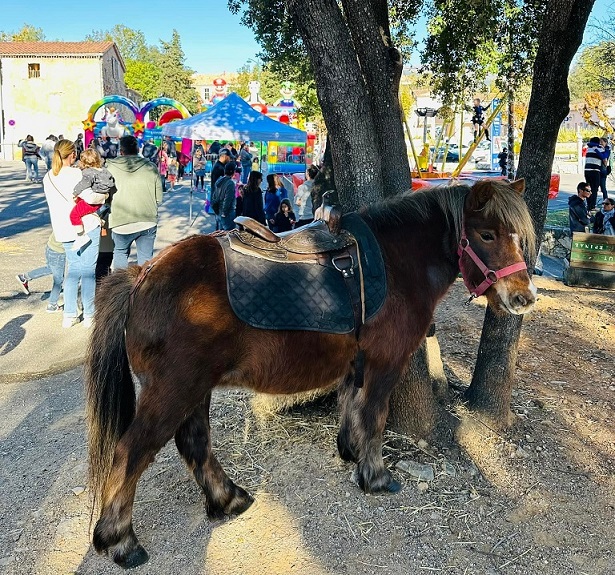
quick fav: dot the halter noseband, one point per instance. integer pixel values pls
(491, 276)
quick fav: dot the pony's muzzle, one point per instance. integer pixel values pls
(522, 301)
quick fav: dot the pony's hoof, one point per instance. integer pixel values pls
(134, 558)
(393, 486)
(240, 503)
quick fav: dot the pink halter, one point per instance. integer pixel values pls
(490, 276)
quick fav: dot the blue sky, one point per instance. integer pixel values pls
(212, 38)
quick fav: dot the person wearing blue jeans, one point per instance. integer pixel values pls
(56, 262)
(144, 241)
(58, 185)
(81, 266)
(134, 205)
(31, 167)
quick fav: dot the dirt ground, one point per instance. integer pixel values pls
(539, 498)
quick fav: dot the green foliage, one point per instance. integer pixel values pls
(283, 52)
(131, 43)
(27, 33)
(152, 71)
(469, 41)
(594, 71)
(175, 79)
(143, 77)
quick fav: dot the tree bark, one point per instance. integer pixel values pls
(381, 65)
(560, 38)
(343, 96)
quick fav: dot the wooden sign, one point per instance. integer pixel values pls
(592, 261)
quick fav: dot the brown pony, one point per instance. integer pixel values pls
(178, 335)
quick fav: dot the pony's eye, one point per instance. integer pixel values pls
(486, 236)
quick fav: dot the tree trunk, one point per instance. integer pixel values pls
(381, 65)
(560, 37)
(510, 140)
(344, 99)
(357, 73)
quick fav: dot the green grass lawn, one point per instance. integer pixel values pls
(557, 218)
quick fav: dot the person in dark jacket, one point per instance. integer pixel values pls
(284, 220)
(272, 200)
(253, 198)
(503, 161)
(595, 158)
(218, 170)
(577, 208)
(215, 147)
(223, 199)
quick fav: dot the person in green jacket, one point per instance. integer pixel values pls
(134, 205)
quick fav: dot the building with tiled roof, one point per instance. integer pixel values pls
(48, 87)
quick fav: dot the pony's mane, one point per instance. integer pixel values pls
(504, 204)
(418, 206)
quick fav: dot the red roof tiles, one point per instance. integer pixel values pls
(50, 48)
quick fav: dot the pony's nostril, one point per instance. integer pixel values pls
(522, 300)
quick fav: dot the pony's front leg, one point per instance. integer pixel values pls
(193, 441)
(364, 415)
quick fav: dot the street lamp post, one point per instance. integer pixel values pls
(425, 113)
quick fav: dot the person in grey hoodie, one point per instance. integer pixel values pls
(134, 207)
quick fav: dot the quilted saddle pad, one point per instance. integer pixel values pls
(303, 296)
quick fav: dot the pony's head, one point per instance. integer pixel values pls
(497, 230)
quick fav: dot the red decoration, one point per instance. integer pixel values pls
(260, 107)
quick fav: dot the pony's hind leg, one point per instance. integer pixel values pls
(154, 424)
(193, 440)
(363, 418)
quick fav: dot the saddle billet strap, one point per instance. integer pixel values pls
(348, 263)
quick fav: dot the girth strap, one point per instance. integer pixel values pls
(348, 263)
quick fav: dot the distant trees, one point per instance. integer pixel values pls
(152, 71)
(27, 33)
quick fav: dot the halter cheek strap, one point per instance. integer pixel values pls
(491, 276)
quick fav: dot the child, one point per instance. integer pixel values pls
(163, 166)
(172, 171)
(478, 118)
(198, 165)
(90, 193)
(284, 220)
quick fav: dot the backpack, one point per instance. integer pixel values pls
(216, 195)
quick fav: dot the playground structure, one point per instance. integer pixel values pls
(112, 125)
(425, 174)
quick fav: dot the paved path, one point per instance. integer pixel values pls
(32, 342)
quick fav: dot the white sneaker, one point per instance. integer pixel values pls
(88, 322)
(80, 243)
(69, 322)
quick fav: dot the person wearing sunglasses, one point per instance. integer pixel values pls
(577, 209)
(604, 222)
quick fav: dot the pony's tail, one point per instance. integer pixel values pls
(109, 388)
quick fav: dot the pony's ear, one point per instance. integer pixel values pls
(518, 186)
(480, 194)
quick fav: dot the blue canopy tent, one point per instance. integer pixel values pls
(233, 119)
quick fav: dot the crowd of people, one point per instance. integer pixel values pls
(84, 193)
(231, 197)
(583, 219)
(103, 201)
